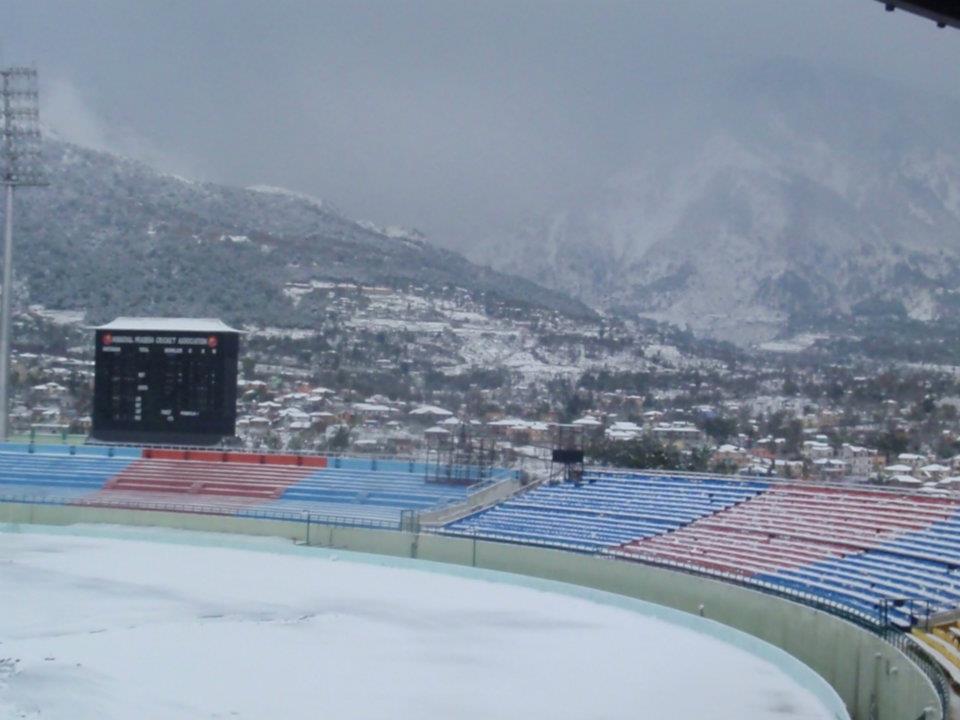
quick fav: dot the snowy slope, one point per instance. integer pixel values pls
(801, 197)
(113, 236)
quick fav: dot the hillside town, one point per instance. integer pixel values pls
(409, 373)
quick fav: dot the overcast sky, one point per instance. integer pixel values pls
(453, 117)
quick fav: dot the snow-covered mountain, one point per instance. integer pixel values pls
(113, 236)
(802, 200)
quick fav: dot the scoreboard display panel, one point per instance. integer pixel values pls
(165, 381)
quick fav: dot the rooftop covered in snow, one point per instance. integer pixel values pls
(168, 324)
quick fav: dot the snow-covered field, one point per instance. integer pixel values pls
(123, 623)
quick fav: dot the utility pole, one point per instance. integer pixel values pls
(20, 166)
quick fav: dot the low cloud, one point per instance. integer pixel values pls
(66, 115)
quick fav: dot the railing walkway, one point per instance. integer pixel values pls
(224, 509)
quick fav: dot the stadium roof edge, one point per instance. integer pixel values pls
(942, 12)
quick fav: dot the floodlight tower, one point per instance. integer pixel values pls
(20, 166)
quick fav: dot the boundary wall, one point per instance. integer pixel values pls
(120, 451)
(875, 680)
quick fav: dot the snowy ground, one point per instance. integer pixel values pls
(123, 623)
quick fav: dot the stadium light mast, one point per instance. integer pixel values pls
(20, 166)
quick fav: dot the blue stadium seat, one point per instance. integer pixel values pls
(56, 475)
(610, 509)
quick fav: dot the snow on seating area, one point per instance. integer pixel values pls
(855, 547)
(875, 552)
(607, 509)
(246, 484)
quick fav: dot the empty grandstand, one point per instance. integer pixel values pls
(888, 556)
(612, 508)
(887, 560)
(348, 490)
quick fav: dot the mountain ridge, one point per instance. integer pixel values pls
(113, 236)
(807, 198)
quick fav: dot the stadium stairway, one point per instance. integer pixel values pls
(947, 638)
(941, 643)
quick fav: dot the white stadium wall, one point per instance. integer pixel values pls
(870, 675)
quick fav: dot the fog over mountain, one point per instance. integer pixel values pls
(113, 236)
(747, 168)
(804, 198)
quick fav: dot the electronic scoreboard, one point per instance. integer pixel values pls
(165, 380)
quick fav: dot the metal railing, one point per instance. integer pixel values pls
(240, 448)
(860, 618)
(493, 474)
(769, 479)
(241, 511)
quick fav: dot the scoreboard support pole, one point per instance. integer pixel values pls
(7, 302)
